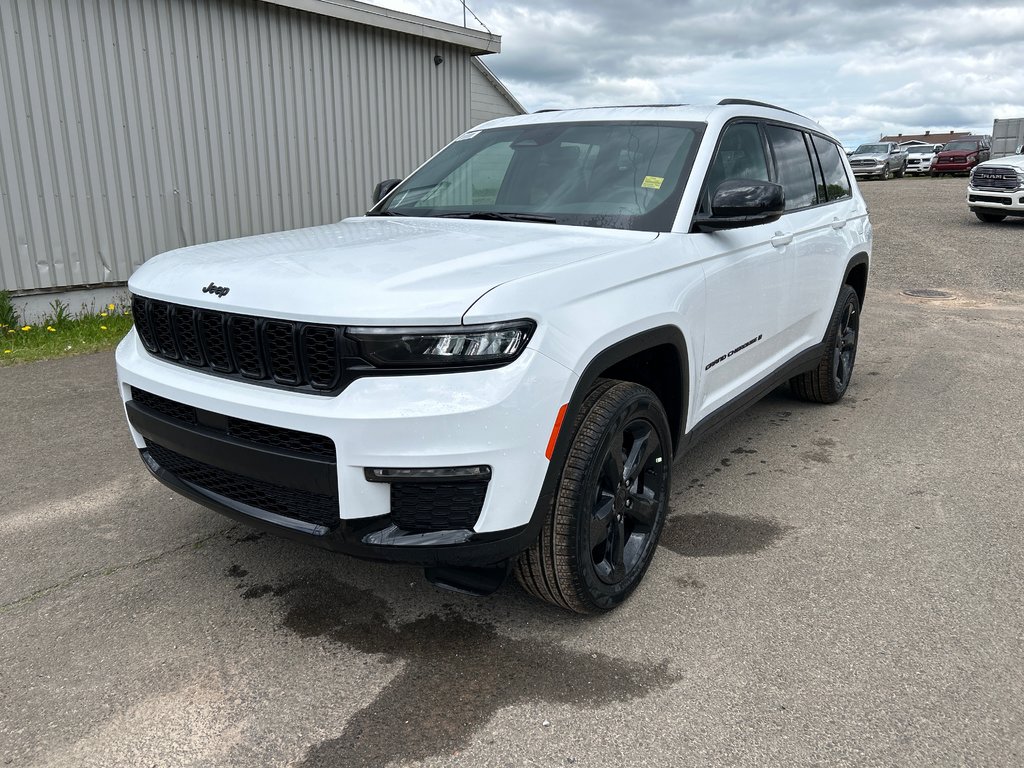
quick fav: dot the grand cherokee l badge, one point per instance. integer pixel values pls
(216, 290)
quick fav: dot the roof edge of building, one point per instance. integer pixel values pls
(479, 42)
(498, 85)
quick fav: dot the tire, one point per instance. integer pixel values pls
(610, 506)
(990, 218)
(887, 173)
(828, 381)
(901, 172)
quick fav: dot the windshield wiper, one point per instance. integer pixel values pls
(497, 216)
(386, 213)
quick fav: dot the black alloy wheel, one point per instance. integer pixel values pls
(629, 490)
(845, 347)
(610, 506)
(828, 381)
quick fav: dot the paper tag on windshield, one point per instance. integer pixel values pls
(653, 182)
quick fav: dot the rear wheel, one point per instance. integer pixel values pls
(610, 506)
(990, 218)
(828, 380)
(900, 173)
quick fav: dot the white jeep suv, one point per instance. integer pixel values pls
(494, 369)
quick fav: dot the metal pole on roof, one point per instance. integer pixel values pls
(463, 13)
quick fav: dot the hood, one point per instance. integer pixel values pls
(370, 269)
(950, 153)
(1010, 161)
(869, 155)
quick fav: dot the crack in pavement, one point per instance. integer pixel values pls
(108, 571)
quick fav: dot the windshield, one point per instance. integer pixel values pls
(872, 149)
(962, 145)
(926, 149)
(600, 174)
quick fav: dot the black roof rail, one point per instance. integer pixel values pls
(752, 103)
(608, 106)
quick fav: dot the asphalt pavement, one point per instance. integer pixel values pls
(836, 586)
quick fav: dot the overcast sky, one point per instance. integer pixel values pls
(886, 67)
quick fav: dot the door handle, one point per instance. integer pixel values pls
(838, 223)
(780, 239)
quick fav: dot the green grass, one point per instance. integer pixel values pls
(63, 334)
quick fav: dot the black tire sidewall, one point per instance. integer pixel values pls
(846, 296)
(644, 405)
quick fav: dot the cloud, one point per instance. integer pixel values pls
(881, 67)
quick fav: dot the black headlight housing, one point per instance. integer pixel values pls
(442, 347)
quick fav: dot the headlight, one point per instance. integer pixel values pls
(457, 346)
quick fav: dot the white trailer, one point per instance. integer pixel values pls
(1007, 135)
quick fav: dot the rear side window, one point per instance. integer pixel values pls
(796, 174)
(837, 184)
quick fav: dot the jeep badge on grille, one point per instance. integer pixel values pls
(216, 290)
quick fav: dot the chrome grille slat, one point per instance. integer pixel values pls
(995, 178)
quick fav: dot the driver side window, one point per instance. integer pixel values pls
(740, 156)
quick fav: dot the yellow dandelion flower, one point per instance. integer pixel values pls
(7, 351)
(26, 327)
(11, 331)
(103, 327)
(51, 329)
(103, 314)
(110, 307)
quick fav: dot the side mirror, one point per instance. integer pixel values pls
(743, 203)
(382, 190)
(1019, 150)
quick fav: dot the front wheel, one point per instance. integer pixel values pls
(828, 380)
(990, 218)
(901, 172)
(612, 500)
(887, 173)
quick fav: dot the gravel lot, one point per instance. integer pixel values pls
(837, 586)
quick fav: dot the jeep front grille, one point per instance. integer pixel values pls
(275, 352)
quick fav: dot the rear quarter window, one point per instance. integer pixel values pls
(837, 183)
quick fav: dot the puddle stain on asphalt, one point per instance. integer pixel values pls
(456, 674)
(717, 535)
(822, 454)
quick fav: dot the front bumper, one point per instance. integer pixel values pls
(877, 169)
(500, 418)
(1009, 203)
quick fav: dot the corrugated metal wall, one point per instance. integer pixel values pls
(130, 127)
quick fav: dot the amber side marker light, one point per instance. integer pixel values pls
(554, 431)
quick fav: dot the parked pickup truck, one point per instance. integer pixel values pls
(883, 160)
(920, 157)
(996, 188)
